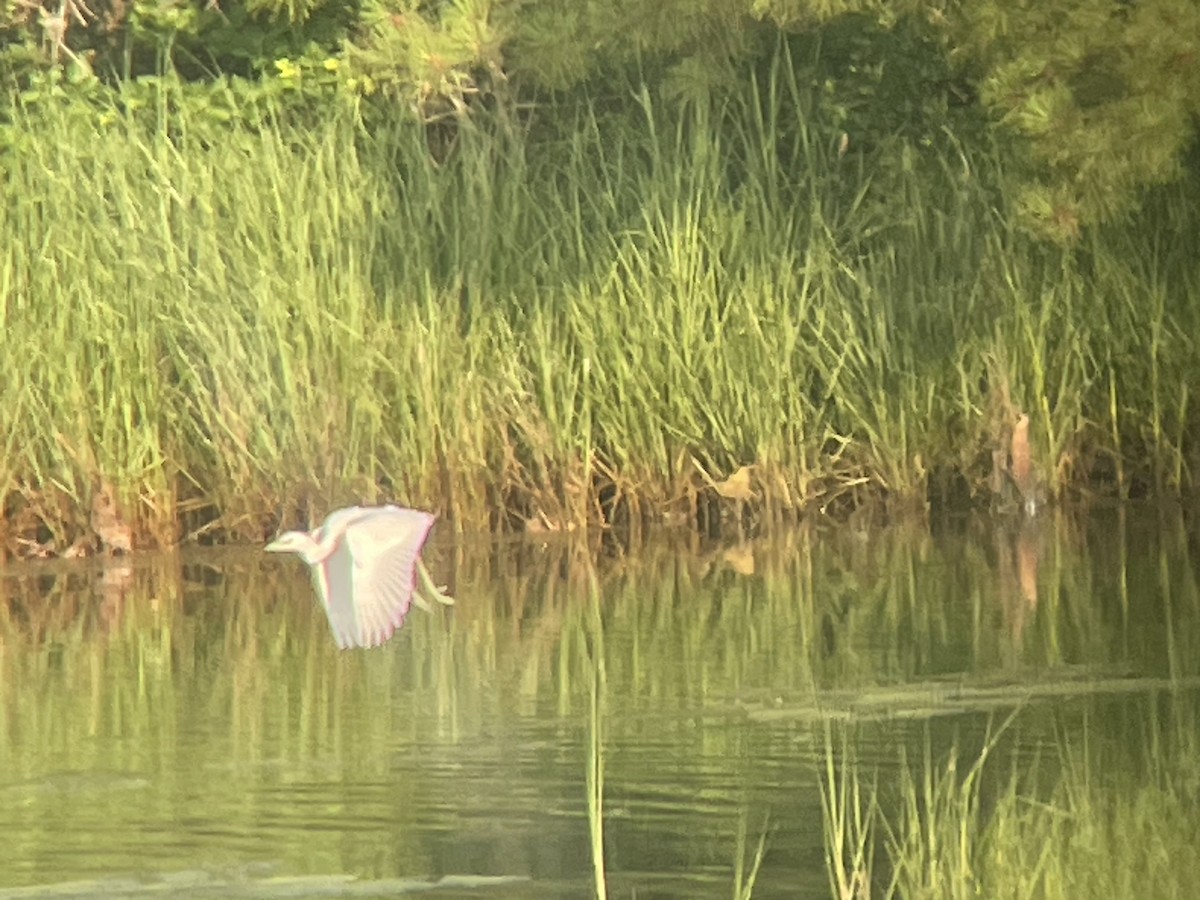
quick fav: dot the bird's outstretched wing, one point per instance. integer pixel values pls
(372, 574)
(334, 579)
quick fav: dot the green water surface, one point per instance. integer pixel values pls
(183, 725)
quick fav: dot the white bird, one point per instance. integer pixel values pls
(365, 561)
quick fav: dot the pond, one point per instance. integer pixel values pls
(686, 718)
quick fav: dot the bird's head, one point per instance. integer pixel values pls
(293, 542)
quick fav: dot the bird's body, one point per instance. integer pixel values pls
(365, 561)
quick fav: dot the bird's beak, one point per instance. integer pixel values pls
(276, 546)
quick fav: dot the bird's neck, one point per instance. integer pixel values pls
(317, 548)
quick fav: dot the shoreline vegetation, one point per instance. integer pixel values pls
(225, 318)
(1060, 820)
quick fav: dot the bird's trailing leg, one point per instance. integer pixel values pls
(428, 588)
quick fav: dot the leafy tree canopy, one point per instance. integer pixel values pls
(1101, 97)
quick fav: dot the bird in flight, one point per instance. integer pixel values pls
(365, 562)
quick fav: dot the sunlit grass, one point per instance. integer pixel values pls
(226, 324)
(1114, 822)
(597, 712)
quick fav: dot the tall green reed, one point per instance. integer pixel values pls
(233, 322)
(1096, 820)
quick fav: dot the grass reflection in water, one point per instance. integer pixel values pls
(903, 712)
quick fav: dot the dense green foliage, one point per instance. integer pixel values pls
(1102, 97)
(226, 298)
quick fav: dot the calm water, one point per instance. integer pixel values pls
(184, 726)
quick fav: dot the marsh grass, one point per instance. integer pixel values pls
(749, 859)
(597, 712)
(1093, 820)
(234, 322)
(849, 815)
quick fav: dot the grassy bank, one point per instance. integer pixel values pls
(211, 326)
